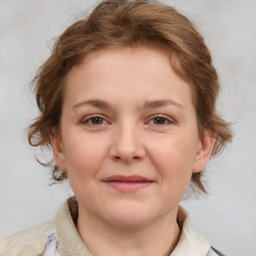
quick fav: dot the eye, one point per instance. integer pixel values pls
(95, 120)
(160, 120)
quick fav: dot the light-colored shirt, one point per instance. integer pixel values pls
(60, 238)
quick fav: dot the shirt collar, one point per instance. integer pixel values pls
(190, 243)
(69, 242)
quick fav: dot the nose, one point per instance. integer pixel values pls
(127, 144)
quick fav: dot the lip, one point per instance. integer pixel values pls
(128, 183)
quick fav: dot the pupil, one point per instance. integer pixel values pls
(159, 120)
(97, 120)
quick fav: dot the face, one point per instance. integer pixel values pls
(129, 139)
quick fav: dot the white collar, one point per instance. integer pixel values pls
(69, 242)
(190, 243)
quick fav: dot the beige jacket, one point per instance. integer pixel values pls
(60, 237)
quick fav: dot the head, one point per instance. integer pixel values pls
(130, 24)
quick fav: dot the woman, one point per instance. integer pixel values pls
(127, 101)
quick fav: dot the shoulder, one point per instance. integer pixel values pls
(28, 242)
(191, 242)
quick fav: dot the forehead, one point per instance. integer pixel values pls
(144, 72)
(125, 56)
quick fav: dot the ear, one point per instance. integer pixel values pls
(57, 146)
(204, 151)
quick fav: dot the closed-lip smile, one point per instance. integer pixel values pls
(128, 183)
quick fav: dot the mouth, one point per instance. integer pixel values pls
(128, 183)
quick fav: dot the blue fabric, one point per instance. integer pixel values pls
(51, 246)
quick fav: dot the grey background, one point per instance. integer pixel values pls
(227, 216)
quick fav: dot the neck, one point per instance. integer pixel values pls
(159, 237)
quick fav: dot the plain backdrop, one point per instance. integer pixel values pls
(27, 31)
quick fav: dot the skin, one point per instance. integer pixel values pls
(109, 126)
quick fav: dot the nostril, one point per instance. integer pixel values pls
(125, 158)
(126, 148)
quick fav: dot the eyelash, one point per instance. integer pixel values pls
(90, 118)
(162, 117)
(169, 121)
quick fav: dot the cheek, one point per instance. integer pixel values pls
(84, 156)
(174, 158)
(84, 159)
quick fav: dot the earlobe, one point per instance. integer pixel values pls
(205, 151)
(57, 147)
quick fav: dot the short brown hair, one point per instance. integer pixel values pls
(124, 23)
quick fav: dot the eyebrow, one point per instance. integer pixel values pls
(94, 102)
(148, 104)
(160, 103)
